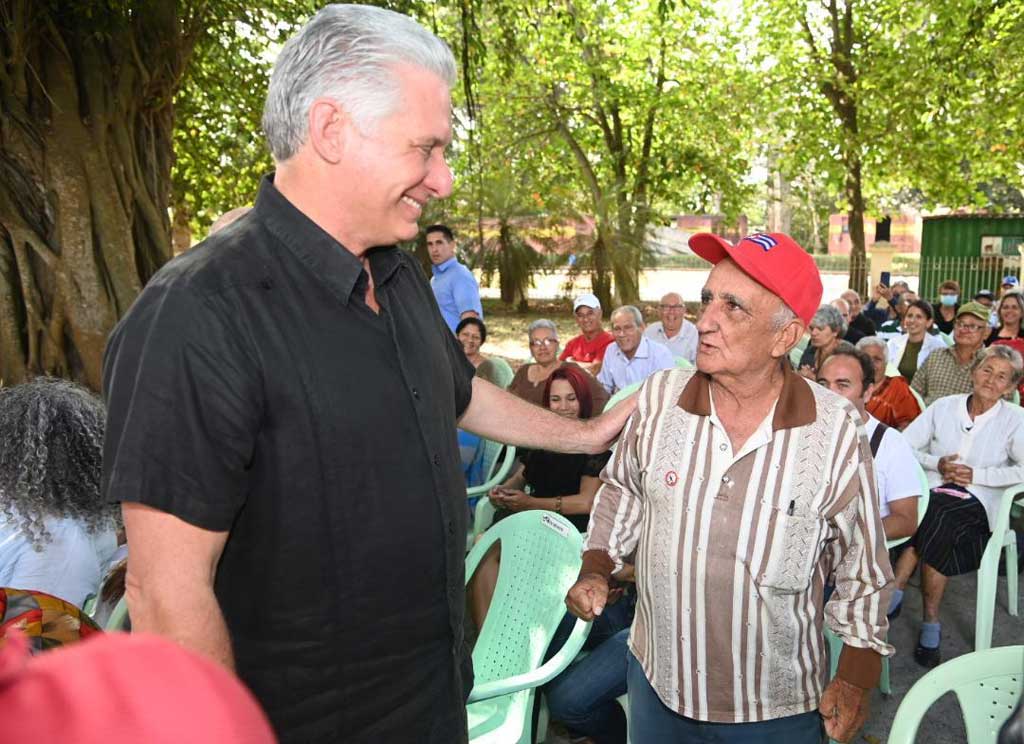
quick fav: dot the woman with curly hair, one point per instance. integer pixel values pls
(56, 533)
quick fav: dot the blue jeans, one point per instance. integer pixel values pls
(651, 721)
(583, 697)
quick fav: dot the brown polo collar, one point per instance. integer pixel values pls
(796, 405)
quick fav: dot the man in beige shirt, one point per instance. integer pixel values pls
(741, 488)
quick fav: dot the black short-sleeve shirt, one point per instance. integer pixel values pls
(252, 390)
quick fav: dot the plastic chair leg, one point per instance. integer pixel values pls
(984, 609)
(1012, 577)
(883, 683)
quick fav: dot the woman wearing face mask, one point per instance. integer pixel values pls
(948, 304)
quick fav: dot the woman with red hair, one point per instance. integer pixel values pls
(553, 481)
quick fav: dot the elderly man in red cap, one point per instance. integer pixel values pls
(741, 488)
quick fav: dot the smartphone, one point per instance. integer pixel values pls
(886, 277)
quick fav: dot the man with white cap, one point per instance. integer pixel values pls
(587, 349)
(741, 488)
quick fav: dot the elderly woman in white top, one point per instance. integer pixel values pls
(971, 447)
(56, 531)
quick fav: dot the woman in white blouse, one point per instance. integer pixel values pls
(56, 532)
(908, 351)
(971, 448)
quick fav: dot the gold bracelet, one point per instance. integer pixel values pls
(558, 504)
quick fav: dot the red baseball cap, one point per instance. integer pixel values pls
(773, 260)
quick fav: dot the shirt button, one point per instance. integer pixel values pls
(451, 528)
(416, 393)
(722, 446)
(437, 460)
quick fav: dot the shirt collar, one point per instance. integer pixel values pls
(330, 261)
(443, 266)
(795, 406)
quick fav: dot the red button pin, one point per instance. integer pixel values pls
(671, 478)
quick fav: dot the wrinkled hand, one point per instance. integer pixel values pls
(605, 429)
(954, 472)
(844, 708)
(588, 597)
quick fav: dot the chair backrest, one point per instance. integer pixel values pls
(503, 373)
(917, 397)
(684, 363)
(795, 355)
(922, 505)
(946, 338)
(492, 455)
(540, 559)
(620, 394)
(987, 684)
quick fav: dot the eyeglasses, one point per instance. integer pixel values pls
(969, 327)
(538, 342)
(673, 308)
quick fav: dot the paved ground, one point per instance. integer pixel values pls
(943, 724)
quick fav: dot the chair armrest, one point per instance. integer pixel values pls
(539, 676)
(498, 478)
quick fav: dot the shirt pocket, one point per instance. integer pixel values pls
(796, 540)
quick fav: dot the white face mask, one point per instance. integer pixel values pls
(949, 300)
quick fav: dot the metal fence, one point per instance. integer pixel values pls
(972, 272)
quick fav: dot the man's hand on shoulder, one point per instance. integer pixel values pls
(605, 428)
(844, 708)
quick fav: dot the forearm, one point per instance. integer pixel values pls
(192, 618)
(498, 415)
(898, 525)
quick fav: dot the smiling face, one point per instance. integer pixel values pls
(736, 326)
(395, 168)
(915, 322)
(627, 332)
(562, 399)
(439, 247)
(671, 311)
(589, 320)
(470, 339)
(992, 379)
(1010, 310)
(543, 345)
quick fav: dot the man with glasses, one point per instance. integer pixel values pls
(632, 358)
(948, 371)
(674, 330)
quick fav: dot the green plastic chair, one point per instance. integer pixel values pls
(918, 397)
(946, 338)
(620, 394)
(118, 619)
(1003, 540)
(503, 373)
(795, 355)
(89, 605)
(683, 363)
(540, 559)
(495, 467)
(987, 685)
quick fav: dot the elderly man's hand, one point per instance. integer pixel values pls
(605, 429)
(588, 596)
(844, 708)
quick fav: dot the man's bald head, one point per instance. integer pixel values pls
(672, 312)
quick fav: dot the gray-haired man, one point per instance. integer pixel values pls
(283, 403)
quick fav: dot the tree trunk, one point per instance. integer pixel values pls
(85, 159)
(858, 255)
(600, 280)
(507, 281)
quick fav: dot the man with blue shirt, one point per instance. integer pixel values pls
(455, 287)
(633, 357)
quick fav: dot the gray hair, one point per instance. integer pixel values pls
(998, 351)
(638, 317)
(782, 317)
(346, 52)
(867, 341)
(51, 453)
(541, 323)
(830, 316)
